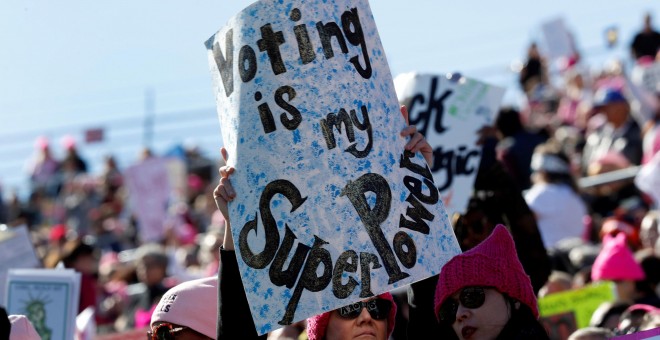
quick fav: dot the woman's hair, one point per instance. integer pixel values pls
(522, 325)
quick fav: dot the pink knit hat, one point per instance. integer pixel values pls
(192, 304)
(22, 329)
(492, 263)
(317, 325)
(616, 262)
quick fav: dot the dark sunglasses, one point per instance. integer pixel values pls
(164, 331)
(470, 297)
(379, 309)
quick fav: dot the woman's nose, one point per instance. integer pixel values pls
(462, 313)
(364, 316)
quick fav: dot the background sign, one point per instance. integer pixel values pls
(330, 209)
(449, 112)
(576, 305)
(47, 297)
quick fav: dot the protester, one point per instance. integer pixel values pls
(234, 317)
(369, 318)
(616, 263)
(554, 198)
(620, 133)
(151, 268)
(187, 311)
(485, 293)
(646, 43)
(516, 146)
(650, 229)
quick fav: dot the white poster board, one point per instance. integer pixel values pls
(311, 123)
(648, 179)
(16, 251)
(449, 112)
(47, 297)
(647, 76)
(558, 39)
(150, 191)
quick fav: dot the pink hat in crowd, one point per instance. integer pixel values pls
(318, 324)
(22, 329)
(191, 304)
(616, 262)
(41, 143)
(492, 263)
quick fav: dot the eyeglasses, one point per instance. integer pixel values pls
(379, 309)
(164, 331)
(470, 297)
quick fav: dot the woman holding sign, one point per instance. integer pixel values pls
(369, 319)
(484, 293)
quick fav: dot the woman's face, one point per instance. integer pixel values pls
(363, 327)
(484, 321)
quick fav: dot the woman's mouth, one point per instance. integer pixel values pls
(467, 332)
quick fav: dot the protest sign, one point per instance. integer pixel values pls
(311, 122)
(564, 312)
(47, 297)
(16, 251)
(647, 76)
(154, 183)
(449, 112)
(648, 178)
(558, 40)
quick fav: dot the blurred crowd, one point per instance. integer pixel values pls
(576, 122)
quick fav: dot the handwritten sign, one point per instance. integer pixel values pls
(574, 307)
(47, 297)
(330, 209)
(153, 185)
(449, 113)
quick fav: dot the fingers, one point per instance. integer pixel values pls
(224, 154)
(225, 171)
(224, 192)
(404, 112)
(408, 131)
(416, 143)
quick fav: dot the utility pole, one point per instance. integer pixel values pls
(149, 117)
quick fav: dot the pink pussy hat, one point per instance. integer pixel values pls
(191, 304)
(318, 325)
(616, 262)
(492, 263)
(22, 329)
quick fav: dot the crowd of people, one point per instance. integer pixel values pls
(530, 230)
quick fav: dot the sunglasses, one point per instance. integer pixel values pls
(164, 331)
(379, 309)
(470, 297)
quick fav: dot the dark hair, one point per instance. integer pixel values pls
(508, 121)
(522, 325)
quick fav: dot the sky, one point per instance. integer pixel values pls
(68, 65)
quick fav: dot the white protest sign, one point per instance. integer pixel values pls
(647, 76)
(558, 39)
(149, 187)
(449, 113)
(16, 251)
(311, 122)
(648, 178)
(47, 297)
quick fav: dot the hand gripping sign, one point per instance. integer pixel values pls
(330, 209)
(449, 112)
